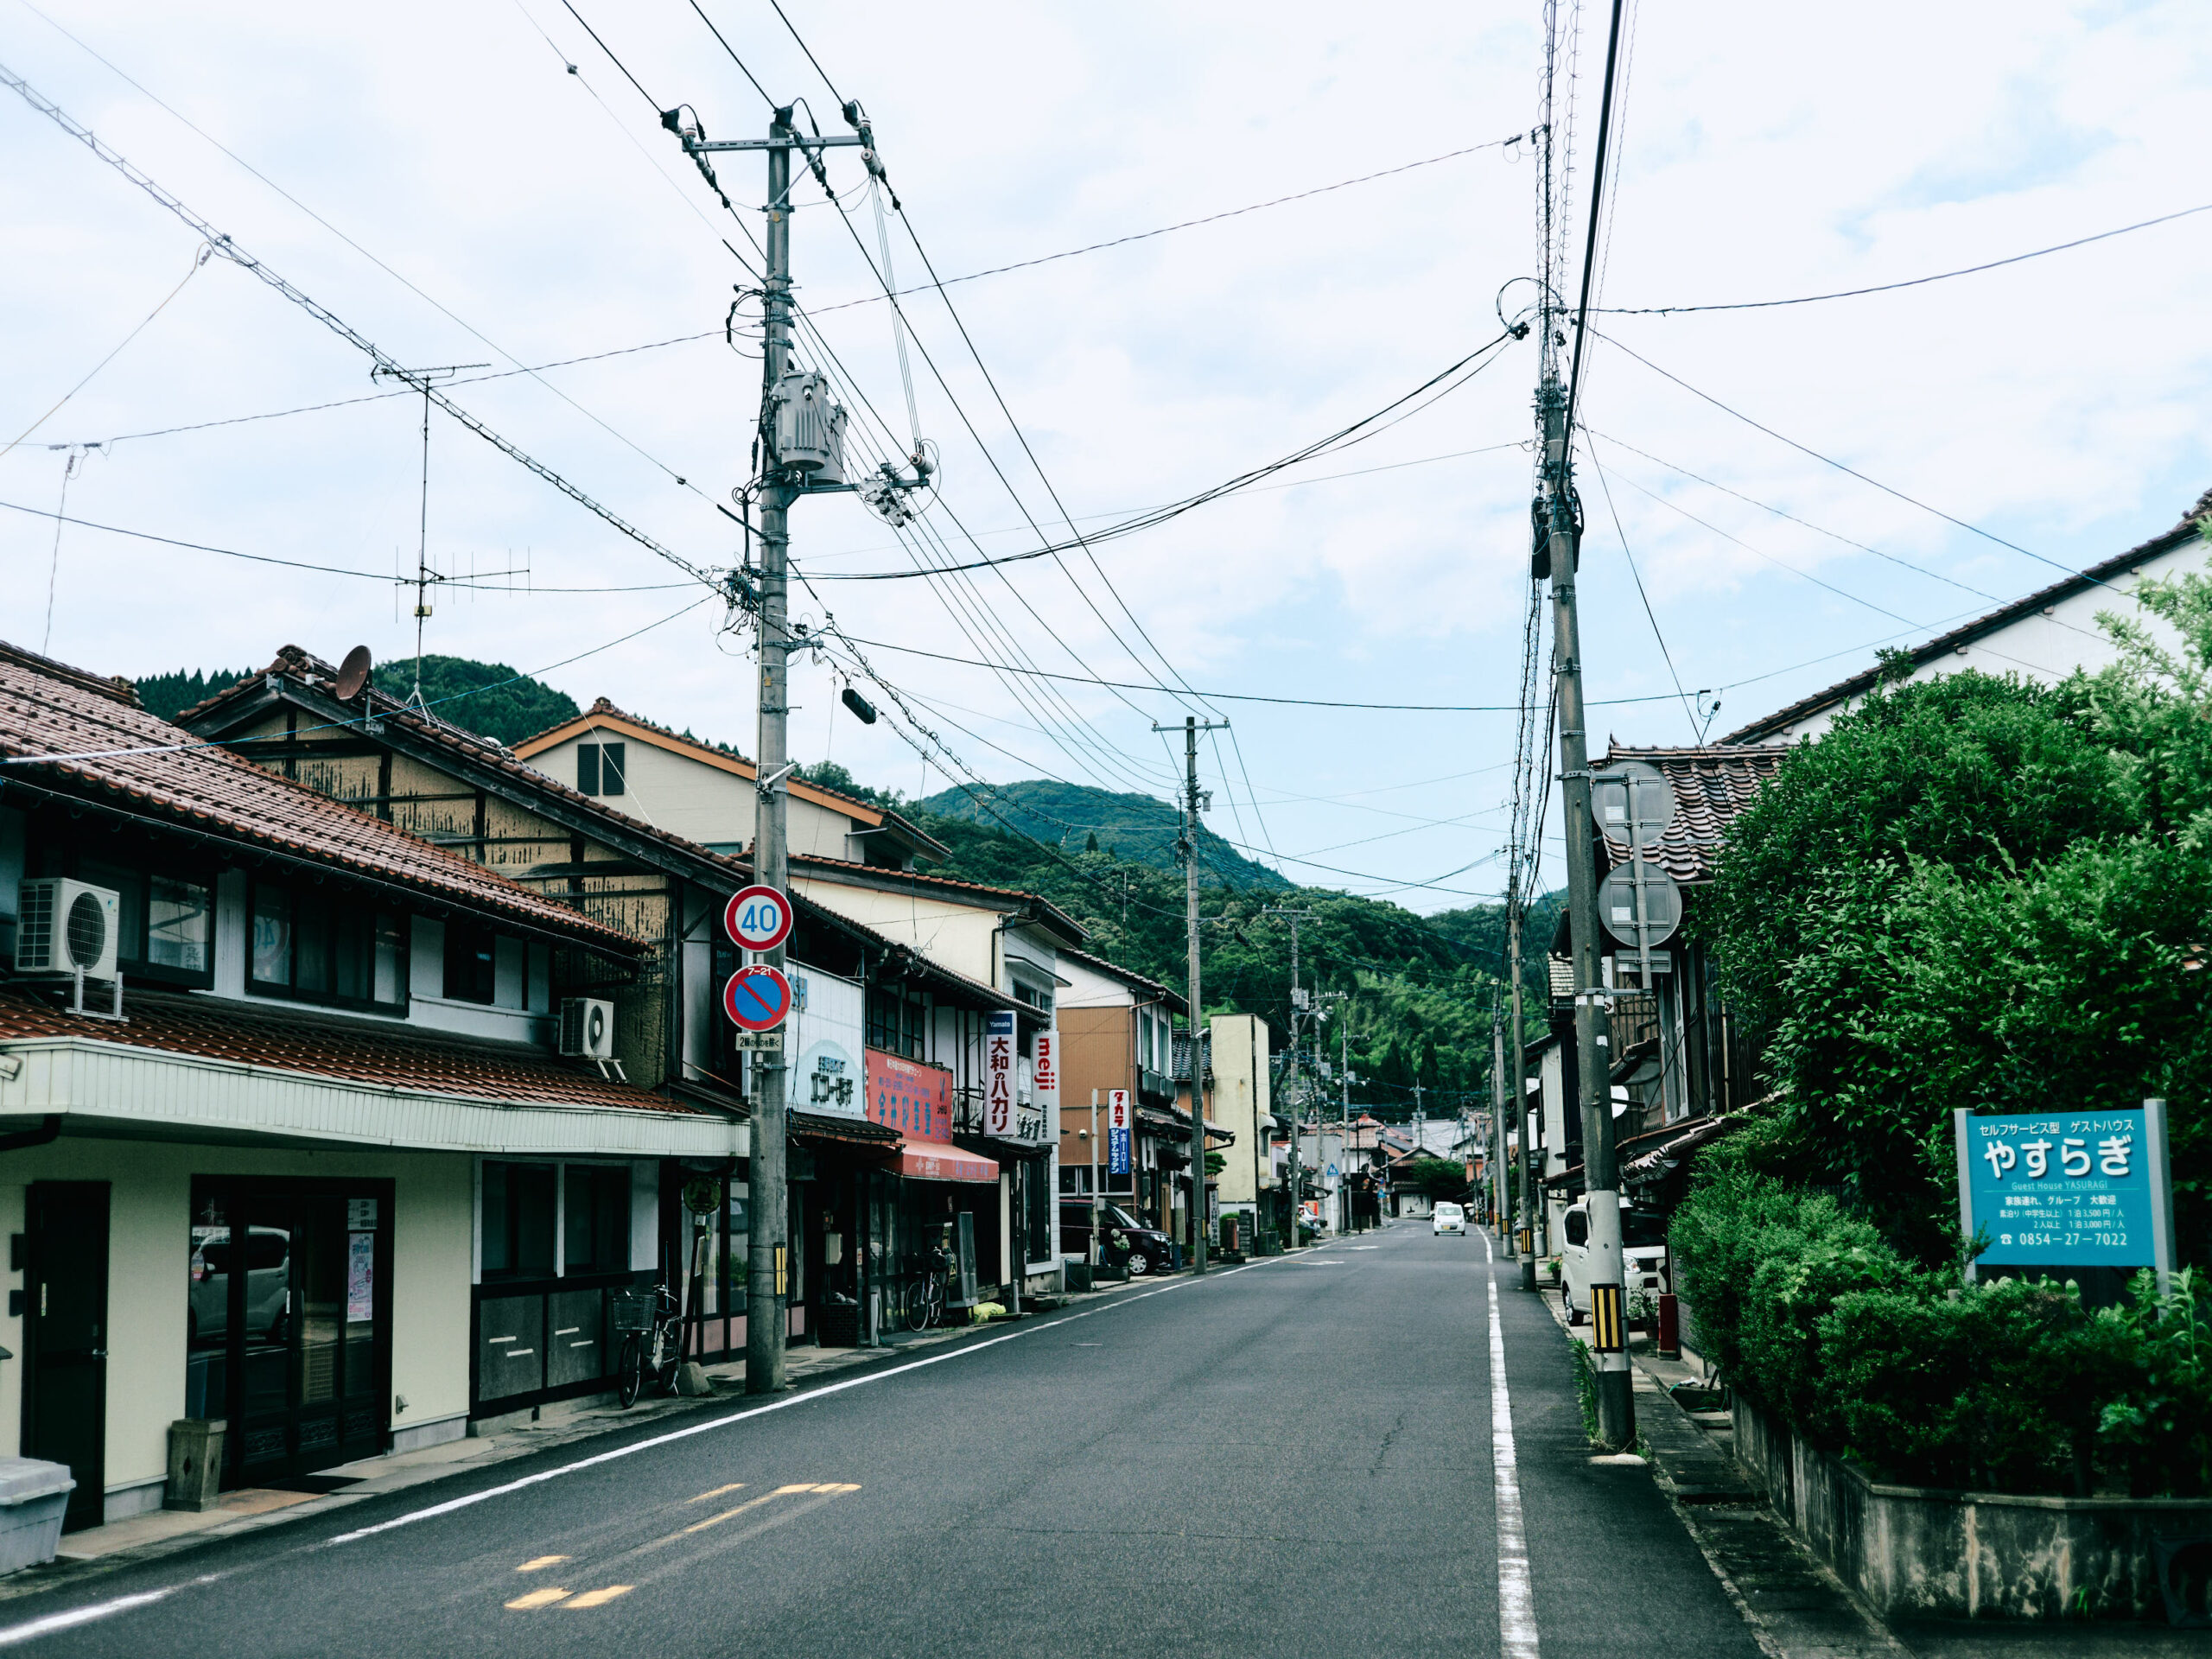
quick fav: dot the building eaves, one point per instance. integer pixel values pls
(67, 737)
(1007, 901)
(2095, 575)
(1173, 998)
(394, 1054)
(308, 682)
(727, 760)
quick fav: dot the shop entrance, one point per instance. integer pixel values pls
(289, 1329)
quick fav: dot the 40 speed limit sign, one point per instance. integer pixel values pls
(759, 918)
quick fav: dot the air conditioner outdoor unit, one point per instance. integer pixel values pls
(586, 1028)
(65, 929)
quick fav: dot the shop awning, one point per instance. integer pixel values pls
(935, 1160)
(849, 1131)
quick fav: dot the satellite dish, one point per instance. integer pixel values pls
(1633, 803)
(1661, 907)
(353, 674)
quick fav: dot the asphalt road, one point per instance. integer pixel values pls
(1291, 1458)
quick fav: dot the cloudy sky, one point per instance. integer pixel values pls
(438, 177)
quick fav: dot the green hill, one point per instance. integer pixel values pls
(1075, 818)
(487, 698)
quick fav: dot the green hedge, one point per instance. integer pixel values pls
(2007, 1386)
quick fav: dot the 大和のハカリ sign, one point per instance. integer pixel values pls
(1117, 1132)
(2072, 1189)
(998, 1075)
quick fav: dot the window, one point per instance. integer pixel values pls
(519, 1202)
(1577, 1228)
(316, 944)
(601, 768)
(596, 1219)
(472, 961)
(895, 1021)
(165, 922)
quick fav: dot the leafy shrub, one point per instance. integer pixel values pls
(2010, 1386)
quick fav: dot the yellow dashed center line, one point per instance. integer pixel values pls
(719, 1491)
(599, 1598)
(537, 1598)
(540, 1563)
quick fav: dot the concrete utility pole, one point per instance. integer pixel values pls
(1593, 1039)
(1290, 1082)
(1501, 1216)
(1344, 1060)
(768, 1229)
(1188, 847)
(1532, 1135)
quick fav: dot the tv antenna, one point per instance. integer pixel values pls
(424, 576)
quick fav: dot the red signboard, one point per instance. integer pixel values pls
(908, 1096)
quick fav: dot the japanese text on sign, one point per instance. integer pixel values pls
(1117, 1131)
(2074, 1188)
(998, 1076)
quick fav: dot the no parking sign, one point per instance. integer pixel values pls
(757, 998)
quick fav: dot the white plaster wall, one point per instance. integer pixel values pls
(2046, 646)
(960, 937)
(149, 1253)
(698, 800)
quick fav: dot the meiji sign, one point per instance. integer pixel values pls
(2071, 1189)
(998, 1076)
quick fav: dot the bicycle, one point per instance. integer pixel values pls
(653, 1341)
(926, 1292)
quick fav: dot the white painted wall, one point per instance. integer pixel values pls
(960, 937)
(2043, 647)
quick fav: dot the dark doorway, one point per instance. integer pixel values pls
(65, 1381)
(289, 1322)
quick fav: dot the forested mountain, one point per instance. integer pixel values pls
(487, 698)
(1075, 818)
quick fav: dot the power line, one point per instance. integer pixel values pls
(1597, 201)
(1688, 709)
(388, 270)
(1830, 460)
(224, 245)
(199, 257)
(1891, 287)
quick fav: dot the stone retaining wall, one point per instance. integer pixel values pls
(1917, 1549)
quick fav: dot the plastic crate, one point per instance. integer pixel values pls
(33, 1497)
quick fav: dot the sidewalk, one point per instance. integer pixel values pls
(166, 1532)
(1795, 1604)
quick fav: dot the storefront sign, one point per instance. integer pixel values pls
(824, 1033)
(998, 1076)
(1045, 1089)
(905, 1095)
(2071, 1189)
(825, 1080)
(1117, 1132)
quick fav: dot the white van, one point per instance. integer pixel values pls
(1448, 1218)
(1643, 1255)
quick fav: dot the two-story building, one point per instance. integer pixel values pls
(280, 1095)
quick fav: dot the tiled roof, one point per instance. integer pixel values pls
(386, 1053)
(315, 675)
(104, 748)
(2095, 576)
(1711, 785)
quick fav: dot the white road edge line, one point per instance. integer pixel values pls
(1516, 1599)
(76, 1615)
(452, 1505)
(53, 1623)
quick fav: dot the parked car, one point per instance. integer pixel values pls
(268, 1284)
(1448, 1218)
(1147, 1248)
(1643, 1255)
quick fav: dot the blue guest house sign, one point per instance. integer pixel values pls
(2070, 1189)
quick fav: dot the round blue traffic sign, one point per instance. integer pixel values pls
(757, 998)
(758, 918)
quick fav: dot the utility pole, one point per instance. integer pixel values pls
(1560, 551)
(1188, 847)
(1533, 1223)
(1290, 1084)
(1343, 1062)
(782, 481)
(1498, 1172)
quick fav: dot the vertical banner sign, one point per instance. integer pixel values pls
(998, 1076)
(2071, 1189)
(1045, 1086)
(1117, 1132)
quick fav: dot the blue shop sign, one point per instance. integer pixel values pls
(2073, 1188)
